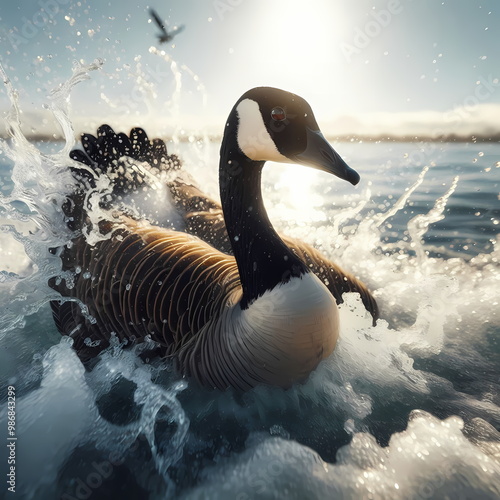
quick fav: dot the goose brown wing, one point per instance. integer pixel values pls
(334, 277)
(142, 281)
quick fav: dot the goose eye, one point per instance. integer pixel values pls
(278, 114)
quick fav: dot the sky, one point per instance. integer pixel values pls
(366, 67)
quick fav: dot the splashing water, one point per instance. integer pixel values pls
(406, 409)
(40, 183)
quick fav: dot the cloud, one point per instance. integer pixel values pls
(481, 120)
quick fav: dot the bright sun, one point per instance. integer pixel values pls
(296, 47)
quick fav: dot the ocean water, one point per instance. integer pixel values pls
(409, 408)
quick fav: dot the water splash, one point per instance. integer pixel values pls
(59, 100)
(174, 104)
(419, 225)
(36, 199)
(449, 466)
(74, 399)
(379, 219)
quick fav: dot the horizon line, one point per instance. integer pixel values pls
(381, 137)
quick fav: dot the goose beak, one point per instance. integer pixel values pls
(320, 155)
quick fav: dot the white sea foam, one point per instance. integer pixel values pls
(430, 459)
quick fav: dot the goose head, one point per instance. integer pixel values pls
(275, 125)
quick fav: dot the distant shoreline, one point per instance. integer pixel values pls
(494, 138)
(444, 138)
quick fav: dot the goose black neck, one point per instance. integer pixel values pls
(264, 261)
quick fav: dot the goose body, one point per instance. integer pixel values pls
(255, 315)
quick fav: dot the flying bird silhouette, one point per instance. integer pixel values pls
(165, 35)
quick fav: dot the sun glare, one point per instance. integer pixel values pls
(297, 48)
(298, 200)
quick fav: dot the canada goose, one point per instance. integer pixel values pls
(203, 217)
(165, 36)
(260, 317)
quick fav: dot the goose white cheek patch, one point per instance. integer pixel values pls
(253, 138)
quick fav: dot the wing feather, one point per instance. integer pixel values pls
(145, 281)
(157, 19)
